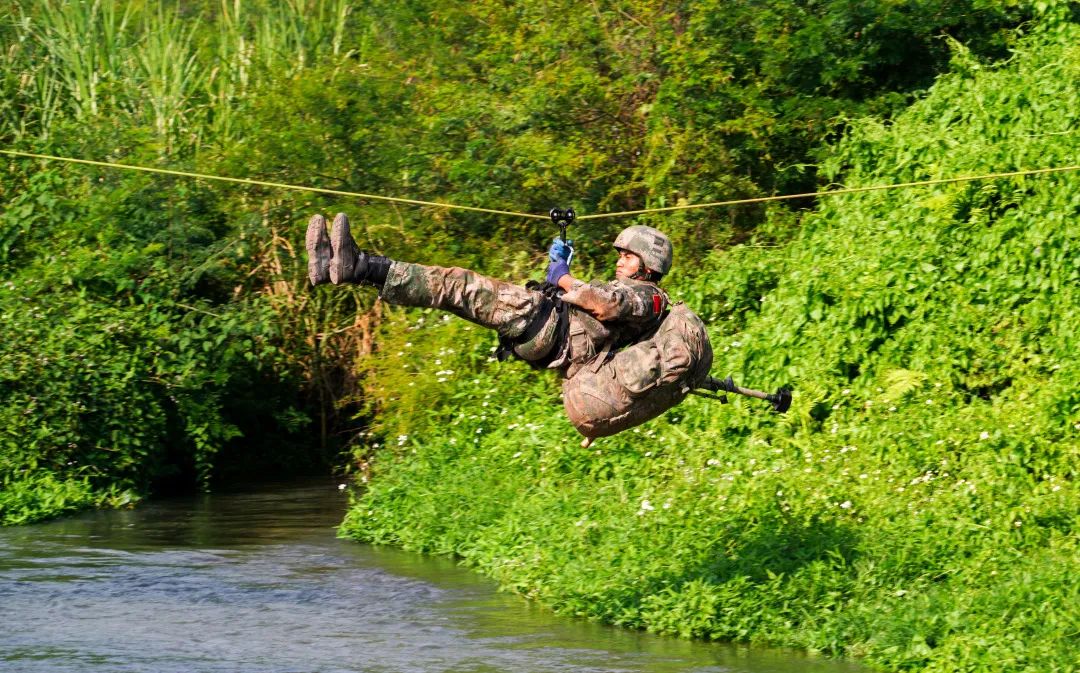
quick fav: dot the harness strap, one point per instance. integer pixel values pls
(602, 356)
(552, 301)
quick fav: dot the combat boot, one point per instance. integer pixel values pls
(319, 250)
(349, 262)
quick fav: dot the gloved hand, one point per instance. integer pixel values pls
(560, 253)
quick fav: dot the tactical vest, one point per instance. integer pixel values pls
(617, 392)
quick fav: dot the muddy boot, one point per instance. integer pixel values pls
(349, 263)
(318, 250)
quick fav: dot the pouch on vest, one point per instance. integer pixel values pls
(642, 381)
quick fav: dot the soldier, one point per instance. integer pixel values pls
(565, 324)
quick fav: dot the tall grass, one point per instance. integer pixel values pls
(182, 74)
(169, 71)
(87, 47)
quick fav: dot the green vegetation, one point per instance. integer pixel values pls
(917, 507)
(151, 336)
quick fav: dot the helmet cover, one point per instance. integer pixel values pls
(651, 245)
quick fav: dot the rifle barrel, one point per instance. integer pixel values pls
(751, 393)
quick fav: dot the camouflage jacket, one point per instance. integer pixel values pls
(607, 317)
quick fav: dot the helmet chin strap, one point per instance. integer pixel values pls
(643, 273)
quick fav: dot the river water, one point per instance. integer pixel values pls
(257, 582)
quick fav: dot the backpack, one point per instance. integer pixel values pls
(642, 381)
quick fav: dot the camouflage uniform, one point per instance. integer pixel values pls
(602, 316)
(624, 356)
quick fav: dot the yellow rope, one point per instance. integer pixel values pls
(263, 183)
(625, 213)
(833, 192)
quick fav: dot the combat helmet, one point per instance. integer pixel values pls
(651, 245)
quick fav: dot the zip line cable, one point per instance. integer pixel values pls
(831, 192)
(625, 213)
(263, 183)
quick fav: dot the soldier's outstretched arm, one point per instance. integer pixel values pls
(634, 302)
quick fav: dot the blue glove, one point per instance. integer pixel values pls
(560, 253)
(557, 270)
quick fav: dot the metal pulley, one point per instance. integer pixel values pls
(563, 218)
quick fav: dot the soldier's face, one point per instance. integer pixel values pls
(627, 265)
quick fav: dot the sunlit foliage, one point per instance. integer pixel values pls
(917, 505)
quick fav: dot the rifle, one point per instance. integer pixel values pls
(780, 400)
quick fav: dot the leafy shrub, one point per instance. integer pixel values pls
(916, 506)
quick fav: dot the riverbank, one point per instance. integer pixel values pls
(916, 507)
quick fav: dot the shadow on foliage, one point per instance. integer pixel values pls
(778, 546)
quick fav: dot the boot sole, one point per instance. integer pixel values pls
(319, 250)
(347, 256)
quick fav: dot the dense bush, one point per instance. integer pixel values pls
(175, 309)
(152, 334)
(917, 506)
(124, 357)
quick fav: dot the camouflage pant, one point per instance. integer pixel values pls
(506, 308)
